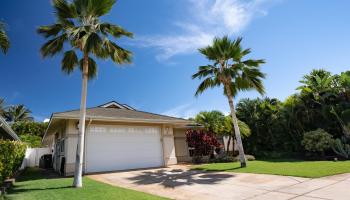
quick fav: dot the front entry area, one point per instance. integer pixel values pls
(114, 147)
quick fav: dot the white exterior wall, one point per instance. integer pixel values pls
(70, 134)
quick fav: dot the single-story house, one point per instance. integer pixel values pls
(6, 132)
(117, 137)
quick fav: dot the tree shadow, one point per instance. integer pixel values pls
(178, 177)
(31, 174)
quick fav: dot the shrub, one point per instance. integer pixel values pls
(32, 141)
(317, 141)
(202, 142)
(29, 128)
(11, 157)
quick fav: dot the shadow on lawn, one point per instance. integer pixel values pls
(178, 177)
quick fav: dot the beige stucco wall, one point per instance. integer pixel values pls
(181, 147)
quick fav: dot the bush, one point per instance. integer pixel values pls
(29, 128)
(32, 141)
(202, 142)
(228, 158)
(317, 141)
(11, 157)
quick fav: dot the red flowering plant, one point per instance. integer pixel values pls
(202, 142)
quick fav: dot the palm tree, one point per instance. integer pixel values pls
(4, 40)
(18, 113)
(228, 69)
(78, 24)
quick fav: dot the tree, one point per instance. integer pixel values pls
(78, 24)
(219, 124)
(18, 113)
(228, 69)
(4, 40)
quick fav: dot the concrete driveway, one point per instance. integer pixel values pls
(178, 182)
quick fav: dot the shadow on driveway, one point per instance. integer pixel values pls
(178, 177)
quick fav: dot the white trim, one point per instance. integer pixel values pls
(113, 103)
(131, 120)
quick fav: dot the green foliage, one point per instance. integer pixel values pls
(217, 123)
(342, 148)
(18, 113)
(32, 141)
(30, 128)
(228, 68)
(11, 156)
(78, 23)
(4, 40)
(317, 141)
(323, 102)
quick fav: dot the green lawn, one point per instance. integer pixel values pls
(35, 184)
(309, 169)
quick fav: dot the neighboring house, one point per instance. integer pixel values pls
(118, 137)
(6, 131)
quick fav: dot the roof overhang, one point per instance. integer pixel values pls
(7, 128)
(176, 123)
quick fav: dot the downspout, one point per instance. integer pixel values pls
(85, 147)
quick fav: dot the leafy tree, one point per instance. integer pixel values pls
(4, 40)
(30, 128)
(32, 141)
(18, 113)
(232, 72)
(78, 24)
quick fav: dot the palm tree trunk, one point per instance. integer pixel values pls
(236, 128)
(78, 182)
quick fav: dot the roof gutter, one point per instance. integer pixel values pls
(8, 129)
(175, 122)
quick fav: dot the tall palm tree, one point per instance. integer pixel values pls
(228, 69)
(18, 113)
(4, 40)
(78, 24)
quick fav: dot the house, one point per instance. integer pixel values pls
(6, 132)
(117, 137)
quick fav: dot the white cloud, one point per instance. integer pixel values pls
(190, 110)
(205, 19)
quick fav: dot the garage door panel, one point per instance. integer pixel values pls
(111, 148)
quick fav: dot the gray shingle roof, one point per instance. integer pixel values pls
(115, 114)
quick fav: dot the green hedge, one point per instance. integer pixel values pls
(11, 157)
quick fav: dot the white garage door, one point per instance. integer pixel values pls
(110, 148)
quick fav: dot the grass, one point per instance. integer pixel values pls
(308, 169)
(36, 184)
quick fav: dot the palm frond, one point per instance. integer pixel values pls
(117, 53)
(4, 40)
(53, 46)
(115, 31)
(51, 30)
(69, 61)
(209, 82)
(64, 9)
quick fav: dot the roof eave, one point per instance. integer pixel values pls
(99, 118)
(8, 129)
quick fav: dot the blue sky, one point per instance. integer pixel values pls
(293, 36)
